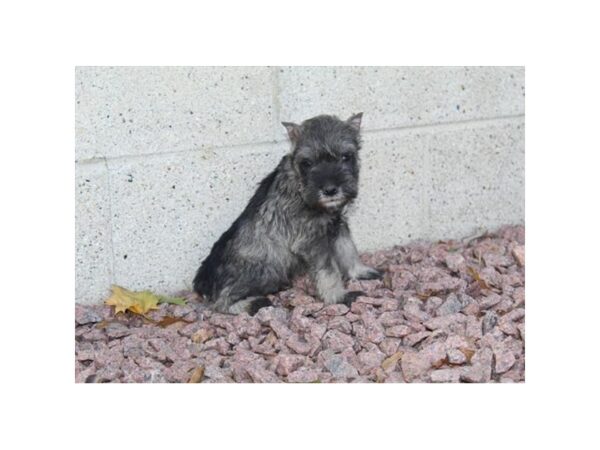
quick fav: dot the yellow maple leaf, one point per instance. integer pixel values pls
(137, 302)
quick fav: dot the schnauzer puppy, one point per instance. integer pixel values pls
(294, 223)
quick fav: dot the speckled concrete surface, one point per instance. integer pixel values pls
(93, 249)
(147, 110)
(398, 97)
(447, 311)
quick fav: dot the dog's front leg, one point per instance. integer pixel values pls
(329, 282)
(347, 257)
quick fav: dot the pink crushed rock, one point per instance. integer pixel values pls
(444, 312)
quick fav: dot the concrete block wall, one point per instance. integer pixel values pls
(167, 157)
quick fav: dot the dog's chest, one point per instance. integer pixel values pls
(311, 232)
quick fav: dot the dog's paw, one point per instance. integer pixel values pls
(261, 302)
(249, 305)
(369, 274)
(351, 296)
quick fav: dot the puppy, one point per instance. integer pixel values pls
(294, 224)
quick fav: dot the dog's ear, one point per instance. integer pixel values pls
(293, 130)
(355, 120)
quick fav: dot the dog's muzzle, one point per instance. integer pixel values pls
(332, 202)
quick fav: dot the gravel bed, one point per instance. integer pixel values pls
(445, 312)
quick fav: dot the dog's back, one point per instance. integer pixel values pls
(213, 276)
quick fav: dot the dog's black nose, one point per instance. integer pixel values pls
(330, 191)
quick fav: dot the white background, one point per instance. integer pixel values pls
(43, 41)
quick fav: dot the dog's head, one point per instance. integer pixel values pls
(325, 160)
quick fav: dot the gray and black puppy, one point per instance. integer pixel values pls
(294, 223)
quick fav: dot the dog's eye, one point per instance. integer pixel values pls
(305, 163)
(346, 157)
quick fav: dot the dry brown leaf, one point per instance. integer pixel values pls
(103, 324)
(271, 338)
(387, 281)
(202, 335)
(424, 296)
(379, 375)
(169, 320)
(468, 353)
(440, 363)
(391, 361)
(482, 283)
(475, 275)
(197, 375)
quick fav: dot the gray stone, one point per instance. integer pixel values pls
(453, 304)
(455, 356)
(490, 319)
(339, 367)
